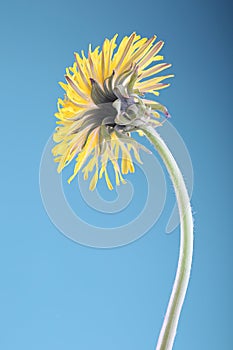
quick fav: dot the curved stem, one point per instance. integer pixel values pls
(168, 330)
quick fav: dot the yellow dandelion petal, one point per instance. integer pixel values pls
(148, 58)
(136, 153)
(94, 74)
(124, 50)
(109, 66)
(117, 148)
(120, 51)
(158, 58)
(94, 181)
(84, 154)
(141, 51)
(90, 166)
(154, 70)
(149, 84)
(126, 163)
(83, 78)
(109, 184)
(76, 89)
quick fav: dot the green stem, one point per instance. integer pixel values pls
(168, 330)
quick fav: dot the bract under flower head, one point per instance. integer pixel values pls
(104, 102)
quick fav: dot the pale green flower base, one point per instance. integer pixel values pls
(168, 331)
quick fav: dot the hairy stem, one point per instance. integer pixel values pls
(168, 330)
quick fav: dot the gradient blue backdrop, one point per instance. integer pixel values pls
(56, 294)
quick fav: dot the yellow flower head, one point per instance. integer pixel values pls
(104, 102)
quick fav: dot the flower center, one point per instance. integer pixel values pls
(118, 103)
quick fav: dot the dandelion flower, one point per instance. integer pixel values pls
(104, 102)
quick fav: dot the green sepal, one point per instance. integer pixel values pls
(97, 94)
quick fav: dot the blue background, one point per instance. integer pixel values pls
(56, 294)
